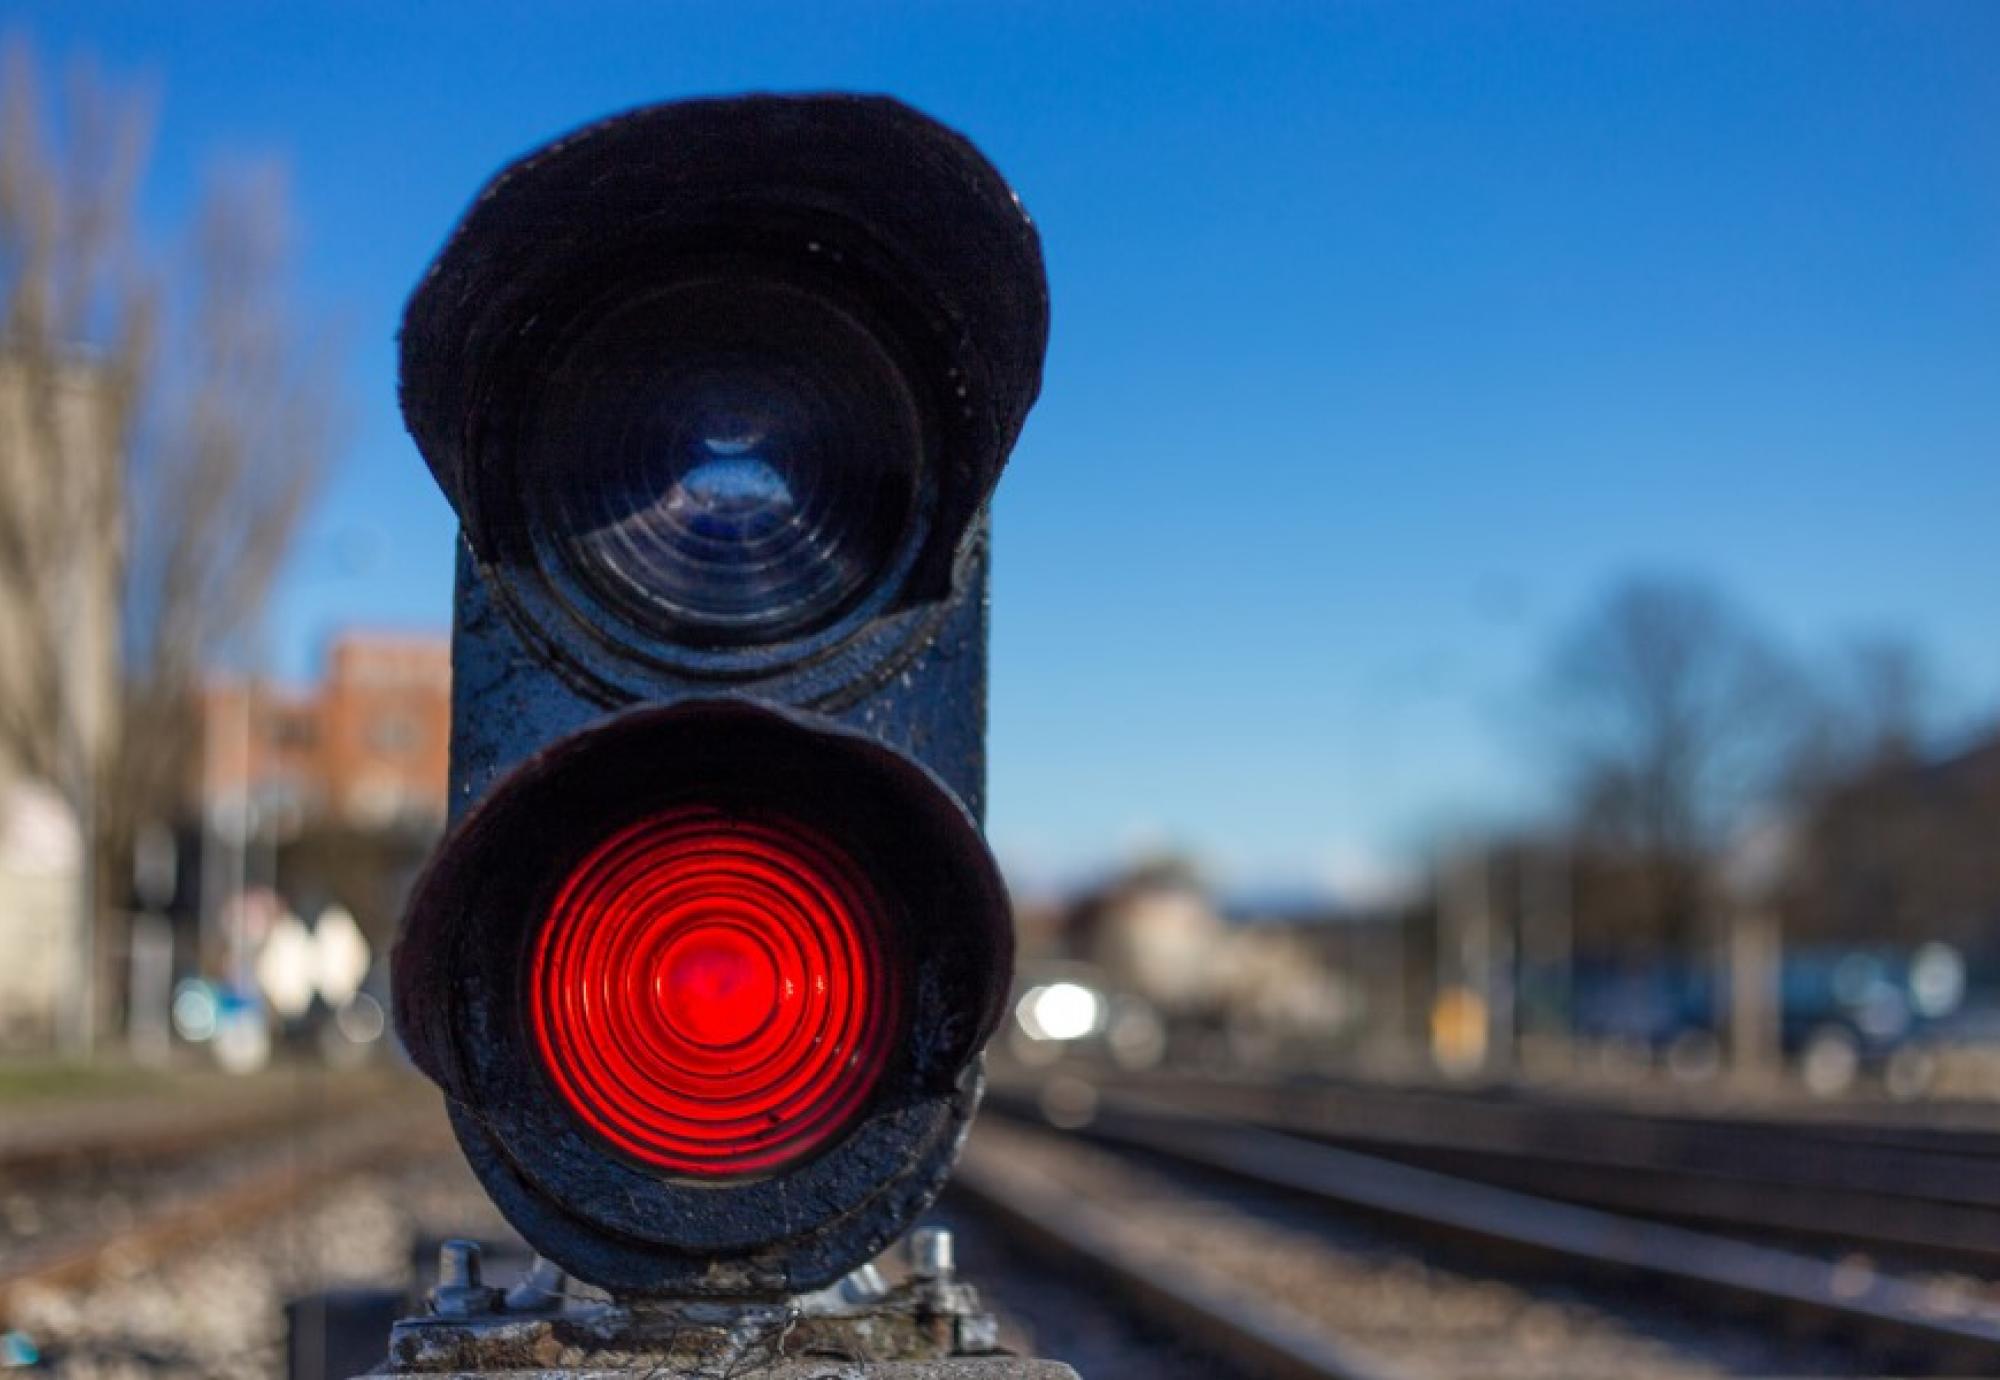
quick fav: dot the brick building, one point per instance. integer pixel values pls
(367, 748)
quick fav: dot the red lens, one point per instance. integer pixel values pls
(712, 993)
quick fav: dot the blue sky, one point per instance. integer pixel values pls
(1385, 335)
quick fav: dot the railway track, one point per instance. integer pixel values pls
(44, 1138)
(1262, 1309)
(229, 1173)
(1859, 1311)
(1089, 1236)
(1922, 1196)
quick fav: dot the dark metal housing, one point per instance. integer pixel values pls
(568, 719)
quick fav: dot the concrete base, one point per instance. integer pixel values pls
(931, 1326)
(955, 1368)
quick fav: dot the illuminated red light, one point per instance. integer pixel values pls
(712, 993)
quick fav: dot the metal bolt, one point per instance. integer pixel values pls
(930, 1250)
(540, 1290)
(458, 1265)
(459, 1292)
(978, 1334)
(862, 1284)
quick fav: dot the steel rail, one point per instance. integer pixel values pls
(1089, 1238)
(239, 1202)
(1928, 1197)
(156, 1129)
(1890, 1313)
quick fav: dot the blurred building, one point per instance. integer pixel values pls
(1155, 931)
(322, 795)
(1295, 984)
(367, 748)
(41, 854)
(61, 562)
(1904, 852)
(59, 600)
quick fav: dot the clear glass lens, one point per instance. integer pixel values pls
(727, 464)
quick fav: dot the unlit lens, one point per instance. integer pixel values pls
(726, 463)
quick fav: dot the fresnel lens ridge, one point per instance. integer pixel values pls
(712, 993)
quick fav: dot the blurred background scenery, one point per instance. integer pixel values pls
(1496, 608)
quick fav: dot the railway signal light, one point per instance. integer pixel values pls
(719, 391)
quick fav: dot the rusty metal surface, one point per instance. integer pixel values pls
(929, 1326)
(915, 682)
(958, 1368)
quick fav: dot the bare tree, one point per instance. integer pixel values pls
(1889, 683)
(77, 316)
(1675, 715)
(1870, 713)
(221, 475)
(162, 424)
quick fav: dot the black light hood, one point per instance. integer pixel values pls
(900, 200)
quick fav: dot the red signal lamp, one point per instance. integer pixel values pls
(705, 985)
(713, 993)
